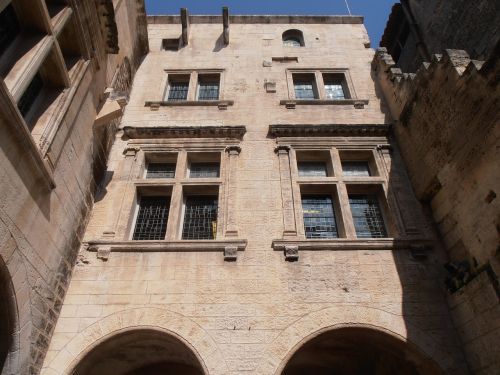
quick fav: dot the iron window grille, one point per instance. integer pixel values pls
(9, 28)
(367, 216)
(319, 217)
(29, 96)
(178, 91)
(160, 170)
(208, 88)
(312, 169)
(200, 218)
(204, 170)
(151, 223)
(356, 168)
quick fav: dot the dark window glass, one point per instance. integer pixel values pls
(304, 89)
(319, 217)
(208, 88)
(355, 168)
(312, 169)
(204, 170)
(170, 44)
(9, 27)
(200, 218)
(367, 216)
(161, 170)
(28, 98)
(334, 86)
(178, 91)
(151, 223)
(292, 42)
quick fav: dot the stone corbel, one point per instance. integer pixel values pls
(290, 104)
(225, 24)
(231, 253)
(112, 108)
(185, 26)
(291, 253)
(131, 151)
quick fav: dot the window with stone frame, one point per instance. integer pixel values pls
(178, 87)
(208, 86)
(335, 86)
(293, 38)
(305, 86)
(9, 27)
(193, 86)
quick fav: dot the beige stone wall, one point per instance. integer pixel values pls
(249, 316)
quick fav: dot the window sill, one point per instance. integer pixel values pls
(291, 247)
(229, 247)
(357, 103)
(221, 104)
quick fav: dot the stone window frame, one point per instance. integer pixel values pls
(119, 235)
(44, 25)
(405, 229)
(291, 102)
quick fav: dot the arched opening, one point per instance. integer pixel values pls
(293, 38)
(141, 352)
(358, 351)
(8, 316)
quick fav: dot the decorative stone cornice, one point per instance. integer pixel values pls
(327, 130)
(233, 150)
(145, 132)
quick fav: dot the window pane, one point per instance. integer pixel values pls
(152, 218)
(334, 91)
(312, 169)
(178, 91)
(292, 42)
(200, 218)
(208, 88)
(304, 90)
(355, 168)
(367, 216)
(204, 170)
(160, 170)
(9, 27)
(319, 217)
(28, 98)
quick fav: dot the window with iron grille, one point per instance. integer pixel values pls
(151, 223)
(312, 169)
(208, 87)
(204, 170)
(367, 216)
(355, 168)
(160, 170)
(28, 98)
(178, 90)
(9, 27)
(319, 216)
(304, 86)
(334, 86)
(200, 218)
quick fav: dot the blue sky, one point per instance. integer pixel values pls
(376, 12)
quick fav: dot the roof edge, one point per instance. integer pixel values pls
(258, 19)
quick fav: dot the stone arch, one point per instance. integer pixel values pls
(160, 320)
(9, 325)
(281, 350)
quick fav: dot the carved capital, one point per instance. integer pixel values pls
(131, 151)
(282, 149)
(386, 148)
(233, 150)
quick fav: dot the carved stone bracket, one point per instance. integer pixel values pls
(131, 151)
(291, 253)
(230, 253)
(282, 149)
(233, 150)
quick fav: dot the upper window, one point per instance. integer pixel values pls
(208, 86)
(335, 86)
(312, 169)
(204, 170)
(160, 170)
(178, 86)
(305, 86)
(293, 38)
(9, 27)
(29, 96)
(356, 168)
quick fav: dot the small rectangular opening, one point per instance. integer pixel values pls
(204, 165)
(170, 44)
(305, 86)
(9, 27)
(208, 86)
(160, 165)
(314, 163)
(358, 163)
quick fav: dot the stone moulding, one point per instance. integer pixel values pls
(357, 103)
(146, 132)
(340, 244)
(221, 104)
(103, 248)
(328, 130)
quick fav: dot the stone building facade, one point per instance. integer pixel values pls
(447, 124)
(66, 68)
(256, 216)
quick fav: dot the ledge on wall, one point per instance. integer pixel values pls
(221, 104)
(357, 103)
(328, 130)
(209, 131)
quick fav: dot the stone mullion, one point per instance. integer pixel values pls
(231, 203)
(176, 200)
(343, 196)
(289, 223)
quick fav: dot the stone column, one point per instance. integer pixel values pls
(289, 224)
(231, 219)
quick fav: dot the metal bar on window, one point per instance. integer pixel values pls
(367, 216)
(355, 168)
(200, 218)
(160, 170)
(312, 169)
(151, 223)
(204, 170)
(319, 217)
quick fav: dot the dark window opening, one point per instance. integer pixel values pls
(208, 87)
(356, 168)
(305, 86)
(293, 38)
(160, 170)
(312, 169)
(200, 218)
(367, 216)
(178, 88)
(335, 87)
(170, 44)
(9, 28)
(204, 170)
(29, 96)
(319, 216)
(151, 223)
